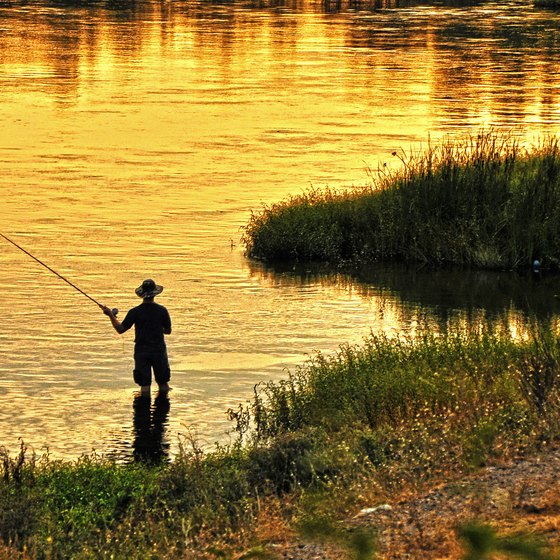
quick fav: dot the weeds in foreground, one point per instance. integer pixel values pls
(359, 543)
(352, 427)
(482, 201)
(389, 381)
(540, 375)
(483, 543)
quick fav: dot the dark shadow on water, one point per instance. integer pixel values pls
(150, 423)
(496, 292)
(442, 295)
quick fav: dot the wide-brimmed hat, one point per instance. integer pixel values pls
(148, 289)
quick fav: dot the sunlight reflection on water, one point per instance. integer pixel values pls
(135, 144)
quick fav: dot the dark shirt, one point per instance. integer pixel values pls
(150, 321)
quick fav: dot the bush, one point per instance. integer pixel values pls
(482, 201)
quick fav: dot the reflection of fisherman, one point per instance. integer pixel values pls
(151, 322)
(149, 428)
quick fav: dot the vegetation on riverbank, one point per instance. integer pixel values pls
(339, 434)
(547, 3)
(484, 201)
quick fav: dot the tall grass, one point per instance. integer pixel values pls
(386, 380)
(364, 421)
(484, 201)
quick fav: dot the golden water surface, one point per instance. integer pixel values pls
(135, 139)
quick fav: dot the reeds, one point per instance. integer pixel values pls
(387, 381)
(483, 201)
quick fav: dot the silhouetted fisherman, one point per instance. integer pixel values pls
(151, 322)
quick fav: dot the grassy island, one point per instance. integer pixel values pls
(484, 201)
(340, 433)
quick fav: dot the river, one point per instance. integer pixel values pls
(136, 139)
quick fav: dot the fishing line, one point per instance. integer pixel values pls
(50, 269)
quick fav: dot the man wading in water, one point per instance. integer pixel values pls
(151, 322)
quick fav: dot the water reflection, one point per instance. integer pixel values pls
(168, 122)
(150, 422)
(496, 292)
(441, 298)
(476, 66)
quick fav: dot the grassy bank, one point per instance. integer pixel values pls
(484, 201)
(340, 433)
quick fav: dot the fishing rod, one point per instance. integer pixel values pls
(114, 311)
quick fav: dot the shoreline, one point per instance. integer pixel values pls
(515, 498)
(371, 425)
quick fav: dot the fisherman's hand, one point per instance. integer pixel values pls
(107, 310)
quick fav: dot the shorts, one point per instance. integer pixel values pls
(147, 360)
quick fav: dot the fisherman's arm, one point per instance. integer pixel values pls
(117, 325)
(166, 323)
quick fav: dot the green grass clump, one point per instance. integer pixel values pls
(483, 542)
(370, 419)
(385, 380)
(483, 201)
(433, 403)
